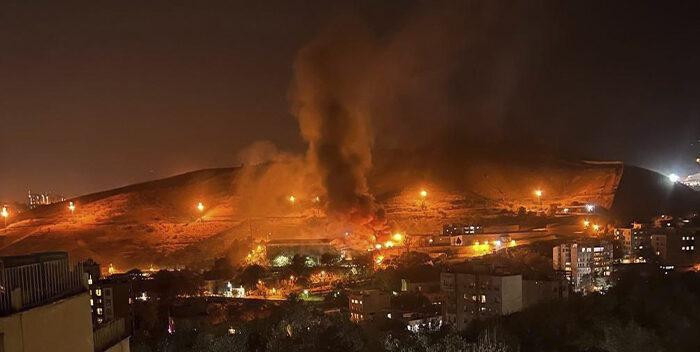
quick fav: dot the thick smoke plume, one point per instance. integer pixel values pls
(332, 105)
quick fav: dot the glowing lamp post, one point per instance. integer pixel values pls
(4, 213)
(538, 194)
(200, 209)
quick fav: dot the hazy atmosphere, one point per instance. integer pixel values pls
(95, 96)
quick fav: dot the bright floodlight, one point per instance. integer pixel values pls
(423, 193)
(673, 178)
(200, 206)
(538, 193)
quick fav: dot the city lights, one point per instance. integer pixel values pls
(596, 227)
(586, 223)
(590, 208)
(397, 237)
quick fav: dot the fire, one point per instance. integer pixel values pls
(200, 206)
(423, 193)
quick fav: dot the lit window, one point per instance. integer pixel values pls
(99, 311)
(98, 292)
(90, 302)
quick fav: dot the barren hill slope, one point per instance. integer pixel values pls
(157, 223)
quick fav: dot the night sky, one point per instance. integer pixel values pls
(95, 95)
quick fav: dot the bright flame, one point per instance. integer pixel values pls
(71, 207)
(379, 259)
(538, 193)
(586, 223)
(378, 246)
(4, 212)
(512, 242)
(200, 206)
(388, 244)
(423, 193)
(596, 227)
(292, 199)
(397, 237)
(497, 243)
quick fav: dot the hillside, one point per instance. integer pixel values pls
(157, 223)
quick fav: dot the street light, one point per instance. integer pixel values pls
(71, 207)
(586, 223)
(5, 214)
(538, 194)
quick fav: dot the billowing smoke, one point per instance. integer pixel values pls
(353, 84)
(332, 104)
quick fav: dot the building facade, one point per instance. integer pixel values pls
(676, 246)
(366, 305)
(587, 265)
(470, 296)
(636, 243)
(45, 306)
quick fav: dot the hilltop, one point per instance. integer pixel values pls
(157, 223)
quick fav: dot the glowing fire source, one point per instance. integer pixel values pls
(200, 207)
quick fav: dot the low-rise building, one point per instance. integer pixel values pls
(367, 304)
(676, 246)
(544, 290)
(471, 295)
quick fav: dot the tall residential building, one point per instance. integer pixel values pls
(45, 306)
(636, 243)
(471, 295)
(587, 265)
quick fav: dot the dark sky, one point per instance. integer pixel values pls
(95, 95)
